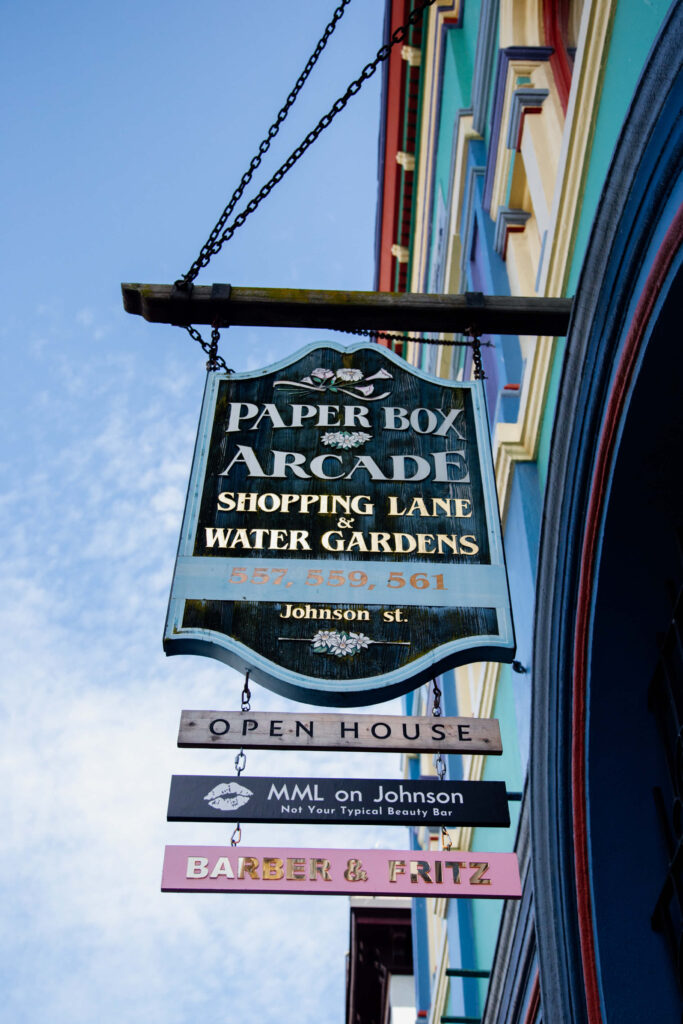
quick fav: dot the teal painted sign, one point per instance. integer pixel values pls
(341, 537)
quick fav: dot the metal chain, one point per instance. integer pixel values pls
(246, 693)
(214, 362)
(241, 758)
(216, 241)
(440, 764)
(393, 336)
(436, 706)
(263, 147)
(476, 356)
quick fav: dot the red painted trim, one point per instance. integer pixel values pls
(525, 111)
(534, 1004)
(554, 13)
(512, 229)
(611, 422)
(392, 138)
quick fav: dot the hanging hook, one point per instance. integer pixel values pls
(246, 693)
(473, 333)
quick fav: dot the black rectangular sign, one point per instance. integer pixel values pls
(337, 801)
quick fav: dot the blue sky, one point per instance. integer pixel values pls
(126, 128)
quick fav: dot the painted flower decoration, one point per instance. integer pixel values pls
(322, 638)
(345, 439)
(340, 644)
(349, 375)
(347, 379)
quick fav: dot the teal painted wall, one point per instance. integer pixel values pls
(456, 95)
(634, 31)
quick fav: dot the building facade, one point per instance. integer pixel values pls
(533, 147)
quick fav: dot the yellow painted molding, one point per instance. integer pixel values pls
(440, 987)
(521, 23)
(584, 96)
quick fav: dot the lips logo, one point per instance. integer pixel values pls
(228, 796)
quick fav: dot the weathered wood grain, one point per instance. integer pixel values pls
(288, 731)
(304, 307)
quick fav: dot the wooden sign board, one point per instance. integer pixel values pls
(337, 801)
(287, 731)
(341, 872)
(341, 537)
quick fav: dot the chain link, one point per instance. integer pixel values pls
(214, 362)
(263, 147)
(393, 336)
(216, 240)
(436, 705)
(476, 357)
(246, 693)
(241, 757)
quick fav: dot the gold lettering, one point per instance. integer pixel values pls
(478, 877)
(417, 505)
(332, 540)
(455, 866)
(247, 866)
(396, 867)
(226, 502)
(272, 869)
(469, 545)
(361, 505)
(422, 540)
(380, 542)
(450, 541)
(296, 868)
(419, 869)
(319, 866)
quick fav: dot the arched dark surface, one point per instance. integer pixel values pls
(606, 548)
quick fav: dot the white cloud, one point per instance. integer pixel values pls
(90, 710)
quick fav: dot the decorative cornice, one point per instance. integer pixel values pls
(524, 101)
(508, 220)
(532, 54)
(483, 63)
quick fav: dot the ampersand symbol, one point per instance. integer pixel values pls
(354, 871)
(345, 524)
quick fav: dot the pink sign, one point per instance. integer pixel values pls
(341, 872)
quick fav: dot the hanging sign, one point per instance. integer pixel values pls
(287, 731)
(341, 537)
(337, 801)
(341, 872)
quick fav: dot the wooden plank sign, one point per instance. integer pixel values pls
(341, 537)
(337, 801)
(341, 872)
(287, 731)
